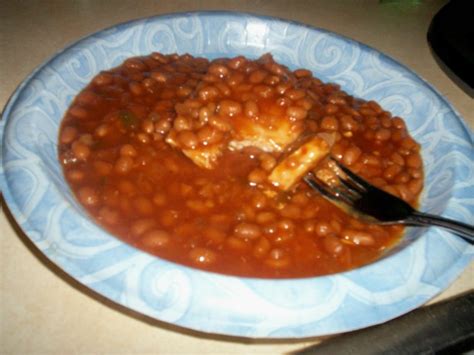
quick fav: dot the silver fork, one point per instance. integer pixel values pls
(373, 204)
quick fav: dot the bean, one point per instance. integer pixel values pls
(143, 138)
(123, 165)
(277, 259)
(322, 229)
(398, 135)
(159, 76)
(272, 80)
(75, 175)
(188, 139)
(256, 177)
(383, 134)
(182, 123)
(208, 93)
(251, 109)
(337, 151)
(414, 161)
(402, 178)
(331, 109)
(150, 85)
(143, 206)
(198, 206)
(333, 245)
(295, 94)
(78, 112)
(109, 215)
(267, 161)
(148, 126)
(391, 190)
(397, 159)
(135, 63)
(300, 199)
(337, 100)
(208, 135)
(257, 76)
(259, 201)
(125, 206)
(68, 134)
(286, 225)
(237, 243)
(223, 88)
(168, 218)
(80, 150)
(103, 79)
(261, 247)
(126, 187)
(128, 150)
(391, 171)
(136, 88)
(283, 102)
(282, 88)
(235, 79)
(218, 70)
(371, 160)
(263, 91)
(375, 106)
(215, 235)
(309, 226)
(102, 130)
(405, 193)
(311, 212)
(302, 73)
(296, 113)
(277, 69)
(159, 199)
(264, 218)
(415, 173)
(351, 155)
(358, 237)
(142, 226)
(329, 123)
(160, 58)
(162, 126)
(348, 123)
(367, 112)
(155, 239)
(202, 256)
(229, 108)
(291, 211)
(88, 196)
(102, 168)
(415, 186)
(237, 62)
(386, 120)
(247, 230)
(398, 123)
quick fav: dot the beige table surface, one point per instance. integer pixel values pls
(44, 311)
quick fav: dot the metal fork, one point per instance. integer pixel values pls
(373, 204)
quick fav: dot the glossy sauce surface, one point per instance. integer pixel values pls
(166, 152)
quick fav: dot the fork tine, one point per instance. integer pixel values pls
(331, 193)
(351, 187)
(357, 180)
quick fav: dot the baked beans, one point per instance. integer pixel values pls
(173, 153)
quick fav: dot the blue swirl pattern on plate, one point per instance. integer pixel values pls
(425, 263)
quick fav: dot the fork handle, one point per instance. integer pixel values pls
(424, 219)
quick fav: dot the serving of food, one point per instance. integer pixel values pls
(160, 163)
(200, 162)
